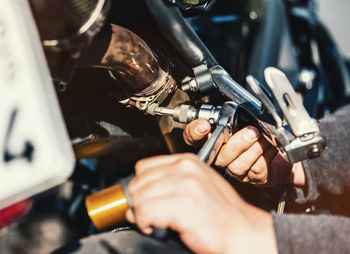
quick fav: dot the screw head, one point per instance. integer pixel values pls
(314, 152)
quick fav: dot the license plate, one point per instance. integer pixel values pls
(35, 150)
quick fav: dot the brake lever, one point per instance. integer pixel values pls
(303, 139)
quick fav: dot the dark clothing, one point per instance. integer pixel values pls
(330, 173)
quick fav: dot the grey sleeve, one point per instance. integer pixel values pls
(312, 234)
(331, 171)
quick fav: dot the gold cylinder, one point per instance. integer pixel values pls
(107, 207)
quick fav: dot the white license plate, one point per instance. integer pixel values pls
(35, 151)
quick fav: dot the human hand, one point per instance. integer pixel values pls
(182, 193)
(249, 157)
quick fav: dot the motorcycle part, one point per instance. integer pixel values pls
(306, 143)
(186, 5)
(222, 133)
(124, 241)
(107, 207)
(235, 92)
(180, 34)
(131, 62)
(13, 212)
(300, 141)
(30, 112)
(186, 113)
(61, 23)
(207, 72)
(66, 29)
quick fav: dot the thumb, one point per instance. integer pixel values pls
(196, 131)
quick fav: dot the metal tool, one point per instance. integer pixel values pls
(186, 113)
(221, 135)
(298, 137)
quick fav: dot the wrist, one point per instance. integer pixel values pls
(255, 234)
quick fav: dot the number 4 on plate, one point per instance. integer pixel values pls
(28, 148)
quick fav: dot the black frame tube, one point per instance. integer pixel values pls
(180, 34)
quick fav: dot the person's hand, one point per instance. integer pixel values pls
(249, 157)
(182, 193)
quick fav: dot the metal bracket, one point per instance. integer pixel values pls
(303, 140)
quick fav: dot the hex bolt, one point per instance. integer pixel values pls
(314, 152)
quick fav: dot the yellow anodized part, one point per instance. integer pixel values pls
(107, 207)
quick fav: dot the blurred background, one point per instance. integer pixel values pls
(335, 15)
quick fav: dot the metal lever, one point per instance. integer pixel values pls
(292, 107)
(259, 92)
(235, 92)
(303, 140)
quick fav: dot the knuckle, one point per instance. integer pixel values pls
(257, 178)
(258, 169)
(138, 166)
(135, 199)
(188, 163)
(258, 148)
(130, 189)
(252, 177)
(185, 163)
(220, 161)
(142, 216)
(237, 168)
(191, 183)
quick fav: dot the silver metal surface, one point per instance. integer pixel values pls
(256, 88)
(231, 89)
(221, 134)
(190, 86)
(292, 107)
(209, 112)
(90, 27)
(186, 113)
